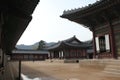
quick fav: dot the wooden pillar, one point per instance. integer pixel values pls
(94, 44)
(50, 56)
(85, 53)
(81, 53)
(62, 54)
(19, 70)
(3, 56)
(76, 53)
(59, 54)
(112, 40)
(68, 53)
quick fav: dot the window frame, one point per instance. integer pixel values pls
(103, 43)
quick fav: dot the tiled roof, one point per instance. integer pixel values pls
(29, 52)
(94, 14)
(68, 43)
(82, 8)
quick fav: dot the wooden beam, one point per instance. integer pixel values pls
(112, 39)
(19, 70)
(94, 43)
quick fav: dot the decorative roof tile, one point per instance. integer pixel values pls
(81, 8)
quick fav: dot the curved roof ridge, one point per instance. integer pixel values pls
(82, 8)
(71, 39)
(55, 45)
(82, 45)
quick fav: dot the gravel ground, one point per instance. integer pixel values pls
(63, 71)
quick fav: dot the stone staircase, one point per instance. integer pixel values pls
(112, 68)
(109, 67)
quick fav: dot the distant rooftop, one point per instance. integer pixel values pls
(29, 52)
(71, 42)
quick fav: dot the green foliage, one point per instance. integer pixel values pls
(41, 45)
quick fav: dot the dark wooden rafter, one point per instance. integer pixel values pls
(116, 11)
(91, 22)
(95, 20)
(105, 16)
(111, 13)
(86, 22)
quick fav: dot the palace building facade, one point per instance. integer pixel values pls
(103, 19)
(71, 48)
(29, 55)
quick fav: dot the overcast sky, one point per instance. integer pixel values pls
(47, 24)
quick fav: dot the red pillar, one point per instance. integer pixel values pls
(112, 41)
(94, 44)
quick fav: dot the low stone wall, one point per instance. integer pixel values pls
(95, 63)
(55, 60)
(71, 61)
(63, 60)
(98, 62)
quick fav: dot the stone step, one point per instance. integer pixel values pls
(113, 74)
(112, 70)
(116, 62)
(55, 60)
(113, 63)
(113, 66)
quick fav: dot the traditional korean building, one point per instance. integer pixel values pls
(90, 49)
(29, 55)
(15, 16)
(71, 48)
(103, 19)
